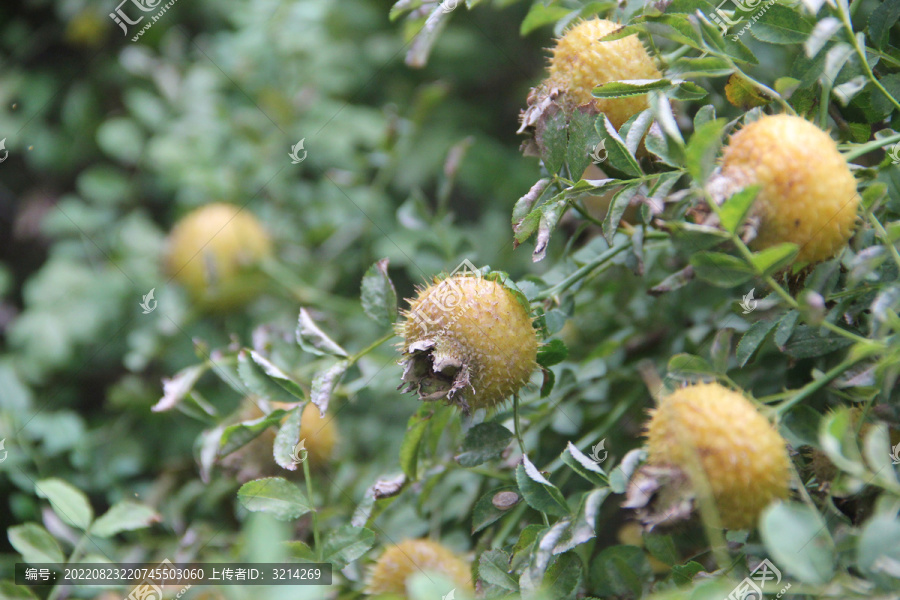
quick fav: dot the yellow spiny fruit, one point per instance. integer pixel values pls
(467, 340)
(400, 562)
(807, 193)
(320, 434)
(255, 459)
(580, 63)
(212, 252)
(710, 431)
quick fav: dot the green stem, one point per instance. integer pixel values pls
(385, 338)
(857, 150)
(508, 525)
(814, 386)
(582, 272)
(516, 423)
(860, 51)
(315, 513)
(885, 238)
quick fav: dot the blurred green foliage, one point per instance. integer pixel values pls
(116, 422)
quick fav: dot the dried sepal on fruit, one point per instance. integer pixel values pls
(708, 437)
(467, 340)
(398, 563)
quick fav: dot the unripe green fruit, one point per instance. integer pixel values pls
(212, 252)
(580, 63)
(807, 193)
(469, 341)
(712, 432)
(400, 562)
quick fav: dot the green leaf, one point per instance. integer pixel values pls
(722, 270)
(735, 209)
(617, 208)
(35, 544)
(700, 66)
(68, 502)
(661, 547)
(493, 568)
(585, 466)
(552, 353)
(583, 139)
(822, 33)
(751, 340)
(786, 328)
(539, 493)
(550, 213)
(484, 442)
(345, 544)
(279, 377)
(640, 87)
(378, 296)
(552, 136)
(325, 382)
(881, 21)
(797, 541)
(620, 571)
(125, 515)
(563, 577)
(275, 496)
(878, 553)
(617, 154)
(877, 450)
(10, 591)
(287, 438)
(314, 340)
(258, 382)
(485, 513)
(702, 149)
(235, 436)
(540, 15)
(807, 343)
(781, 25)
(582, 527)
(412, 441)
(684, 364)
(176, 388)
(690, 238)
(775, 258)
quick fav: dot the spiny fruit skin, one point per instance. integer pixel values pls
(807, 193)
(409, 557)
(255, 459)
(580, 63)
(211, 252)
(469, 341)
(742, 456)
